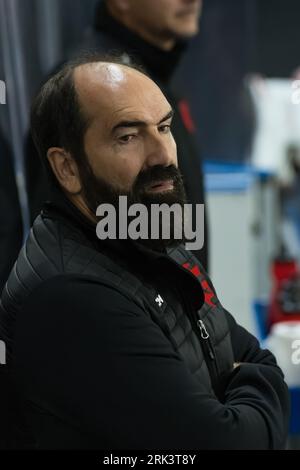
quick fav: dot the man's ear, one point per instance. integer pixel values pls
(65, 169)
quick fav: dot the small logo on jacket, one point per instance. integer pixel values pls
(159, 300)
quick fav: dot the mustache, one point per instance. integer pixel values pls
(156, 174)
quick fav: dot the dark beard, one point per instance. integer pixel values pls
(96, 191)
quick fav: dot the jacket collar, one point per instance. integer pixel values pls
(131, 252)
(60, 207)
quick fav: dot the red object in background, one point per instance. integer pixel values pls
(186, 116)
(285, 298)
(283, 269)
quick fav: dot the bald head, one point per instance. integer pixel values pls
(103, 118)
(108, 90)
(107, 74)
(56, 115)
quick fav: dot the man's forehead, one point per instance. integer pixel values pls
(109, 75)
(113, 90)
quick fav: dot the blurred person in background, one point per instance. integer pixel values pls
(153, 33)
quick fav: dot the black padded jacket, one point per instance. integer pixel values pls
(114, 346)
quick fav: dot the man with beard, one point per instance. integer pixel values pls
(116, 344)
(153, 33)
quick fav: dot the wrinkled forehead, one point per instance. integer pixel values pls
(110, 91)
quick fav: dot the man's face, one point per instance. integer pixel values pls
(129, 148)
(167, 18)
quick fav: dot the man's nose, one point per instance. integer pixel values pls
(158, 152)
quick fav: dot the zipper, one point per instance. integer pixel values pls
(205, 336)
(208, 351)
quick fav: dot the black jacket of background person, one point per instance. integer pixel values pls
(114, 346)
(110, 36)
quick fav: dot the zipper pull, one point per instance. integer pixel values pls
(203, 330)
(205, 335)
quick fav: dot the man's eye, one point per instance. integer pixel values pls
(125, 139)
(165, 128)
